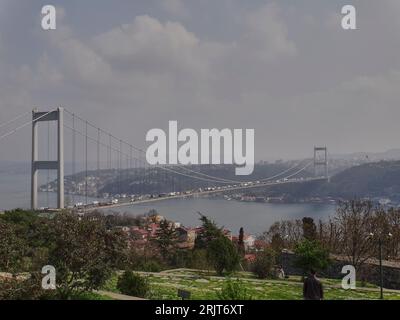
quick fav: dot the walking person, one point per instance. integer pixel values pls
(312, 288)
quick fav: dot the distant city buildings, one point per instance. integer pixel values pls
(141, 236)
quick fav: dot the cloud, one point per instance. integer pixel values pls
(381, 87)
(149, 45)
(266, 33)
(175, 7)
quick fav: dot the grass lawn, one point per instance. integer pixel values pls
(203, 285)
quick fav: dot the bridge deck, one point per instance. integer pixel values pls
(194, 194)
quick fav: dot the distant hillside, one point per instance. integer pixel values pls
(389, 155)
(379, 179)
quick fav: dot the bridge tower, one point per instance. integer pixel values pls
(56, 115)
(321, 161)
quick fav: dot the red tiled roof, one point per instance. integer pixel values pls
(250, 257)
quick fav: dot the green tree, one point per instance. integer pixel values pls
(311, 255)
(209, 232)
(223, 255)
(166, 239)
(82, 252)
(12, 248)
(32, 232)
(263, 266)
(241, 247)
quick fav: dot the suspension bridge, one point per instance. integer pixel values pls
(100, 155)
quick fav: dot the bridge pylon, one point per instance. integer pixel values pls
(56, 115)
(321, 161)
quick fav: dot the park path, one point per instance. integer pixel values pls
(117, 296)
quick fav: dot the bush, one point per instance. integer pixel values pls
(150, 266)
(263, 266)
(133, 284)
(24, 289)
(234, 290)
(198, 260)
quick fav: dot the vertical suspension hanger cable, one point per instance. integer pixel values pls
(127, 174)
(86, 163)
(98, 162)
(73, 156)
(48, 159)
(119, 167)
(130, 164)
(109, 152)
(128, 171)
(141, 173)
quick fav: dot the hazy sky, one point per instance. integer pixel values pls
(285, 68)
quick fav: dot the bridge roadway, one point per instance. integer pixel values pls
(90, 207)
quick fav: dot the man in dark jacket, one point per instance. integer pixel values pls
(312, 288)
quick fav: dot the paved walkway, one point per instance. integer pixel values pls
(117, 296)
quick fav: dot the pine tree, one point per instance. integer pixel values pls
(241, 247)
(166, 238)
(210, 231)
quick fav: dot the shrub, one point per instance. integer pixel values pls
(133, 284)
(27, 288)
(263, 266)
(234, 290)
(150, 266)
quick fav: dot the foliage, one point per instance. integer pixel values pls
(166, 239)
(23, 288)
(210, 231)
(144, 260)
(263, 266)
(241, 247)
(311, 255)
(223, 255)
(133, 284)
(11, 248)
(83, 253)
(198, 260)
(150, 265)
(234, 290)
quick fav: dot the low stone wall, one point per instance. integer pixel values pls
(391, 275)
